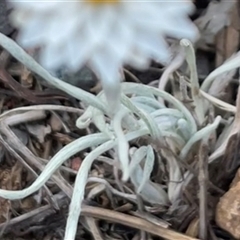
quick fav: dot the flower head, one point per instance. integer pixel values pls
(104, 34)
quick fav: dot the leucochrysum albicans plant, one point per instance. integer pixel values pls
(140, 114)
(106, 35)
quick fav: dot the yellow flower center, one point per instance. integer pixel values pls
(101, 2)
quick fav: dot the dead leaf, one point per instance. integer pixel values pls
(26, 78)
(213, 20)
(39, 131)
(55, 123)
(227, 40)
(28, 204)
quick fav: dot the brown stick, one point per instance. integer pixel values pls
(134, 222)
(98, 213)
(203, 185)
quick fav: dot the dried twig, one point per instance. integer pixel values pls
(196, 96)
(203, 183)
(100, 213)
(42, 108)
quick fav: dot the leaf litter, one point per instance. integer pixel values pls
(175, 183)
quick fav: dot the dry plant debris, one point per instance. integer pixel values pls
(156, 170)
(227, 40)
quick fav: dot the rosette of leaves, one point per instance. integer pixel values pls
(173, 130)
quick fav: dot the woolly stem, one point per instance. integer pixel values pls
(196, 96)
(81, 179)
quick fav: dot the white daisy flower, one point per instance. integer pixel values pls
(103, 34)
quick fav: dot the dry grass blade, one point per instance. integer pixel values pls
(134, 222)
(215, 101)
(41, 108)
(133, 77)
(219, 103)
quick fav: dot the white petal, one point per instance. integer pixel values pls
(52, 57)
(154, 46)
(33, 34)
(107, 37)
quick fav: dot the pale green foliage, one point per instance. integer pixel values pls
(140, 114)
